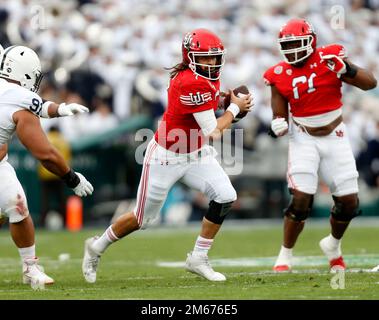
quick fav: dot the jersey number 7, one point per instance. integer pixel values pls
(303, 79)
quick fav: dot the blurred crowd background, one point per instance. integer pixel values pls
(111, 56)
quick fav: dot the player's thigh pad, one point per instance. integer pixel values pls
(12, 196)
(210, 178)
(337, 167)
(157, 179)
(303, 163)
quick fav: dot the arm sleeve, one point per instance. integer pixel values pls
(197, 97)
(206, 120)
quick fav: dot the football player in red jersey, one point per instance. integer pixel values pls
(306, 103)
(178, 152)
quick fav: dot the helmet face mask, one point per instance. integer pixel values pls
(297, 41)
(208, 71)
(202, 43)
(38, 78)
(296, 49)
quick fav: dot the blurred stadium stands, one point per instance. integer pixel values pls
(110, 55)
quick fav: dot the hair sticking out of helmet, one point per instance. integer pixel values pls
(204, 53)
(297, 41)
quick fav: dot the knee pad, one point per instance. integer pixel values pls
(217, 211)
(345, 208)
(299, 208)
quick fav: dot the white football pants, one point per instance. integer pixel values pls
(331, 156)
(12, 196)
(162, 168)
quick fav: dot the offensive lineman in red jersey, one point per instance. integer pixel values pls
(309, 82)
(178, 152)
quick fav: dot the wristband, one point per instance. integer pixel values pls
(45, 109)
(71, 179)
(351, 71)
(234, 109)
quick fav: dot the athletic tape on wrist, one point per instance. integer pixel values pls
(45, 109)
(234, 109)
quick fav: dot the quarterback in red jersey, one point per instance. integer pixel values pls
(306, 103)
(178, 151)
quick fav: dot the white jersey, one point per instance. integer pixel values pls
(12, 99)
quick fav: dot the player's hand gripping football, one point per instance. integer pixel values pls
(334, 63)
(84, 188)
(243, 101)
(279, 126)
(70, 109)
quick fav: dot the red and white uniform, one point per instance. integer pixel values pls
(187, 94)
(314, 96)
(178, 149)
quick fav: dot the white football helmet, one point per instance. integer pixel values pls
(21, 64)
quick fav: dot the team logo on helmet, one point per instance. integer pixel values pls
(187, 41)
(311, 29)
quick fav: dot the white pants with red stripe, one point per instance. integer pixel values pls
(13, 202)
(162, 168)
(331, 156)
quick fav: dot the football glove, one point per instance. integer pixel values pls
(78, 183)
(71, 109)
(279, 126)
(84, 188)
(334, 63)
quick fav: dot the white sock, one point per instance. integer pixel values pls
(27, 253)
(285, 252)
(202, 245)
(333, 241)
(106, 239)
(284, 257)
(333, 248)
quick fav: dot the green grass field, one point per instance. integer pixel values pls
(148, 265)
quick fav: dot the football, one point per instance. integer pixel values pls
(239, 91)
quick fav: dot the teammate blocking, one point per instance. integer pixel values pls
(308, 83)
(178, 151)
(20, 109)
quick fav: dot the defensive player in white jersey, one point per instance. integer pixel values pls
(178, 151)
(20, 109)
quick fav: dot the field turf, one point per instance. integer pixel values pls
(149, 265)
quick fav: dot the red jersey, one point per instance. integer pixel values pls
(187, 94)
(311, 89)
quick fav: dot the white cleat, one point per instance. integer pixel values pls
(199, 264)
(376, 269)
(334, 255)
(91, 260)
(283, 262)
(34, 273)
